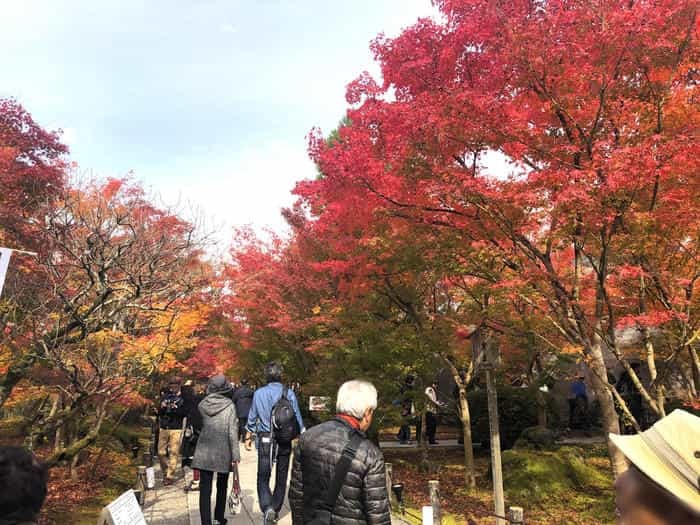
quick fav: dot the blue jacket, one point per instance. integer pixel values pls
(261, 409)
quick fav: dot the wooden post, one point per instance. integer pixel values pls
(515, 515)
(434, 486)
(497, 473)
(140, 489)
(389, 482)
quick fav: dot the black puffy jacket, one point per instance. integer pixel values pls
(363, 497)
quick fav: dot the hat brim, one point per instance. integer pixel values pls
(645, 459)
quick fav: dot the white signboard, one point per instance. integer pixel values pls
(124, 510)
(427, 515)
(150, 478)
(319, 403)
(5, 254)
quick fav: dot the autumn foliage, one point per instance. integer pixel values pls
(530, 167)
(523, 169)
(116, 298)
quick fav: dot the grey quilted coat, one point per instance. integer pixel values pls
(217, 446)
(363, 497)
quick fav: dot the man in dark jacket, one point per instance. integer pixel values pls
(193, 395)
(363, 497)
(243, 398)
(171, 413)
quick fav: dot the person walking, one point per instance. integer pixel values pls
(243, 398)
(338, 475)
(272, 447)
(171, 413)
(217, 448)
(431, 412)
(578, 404)
(408, 412)
(193, 395)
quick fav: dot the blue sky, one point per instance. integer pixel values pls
(207, 101)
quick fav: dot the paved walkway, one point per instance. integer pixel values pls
(446, 443)
(173, 506)
(166, 505)
(250, 511)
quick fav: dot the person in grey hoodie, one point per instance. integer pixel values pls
(217, 448)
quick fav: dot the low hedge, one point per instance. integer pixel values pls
(517, 410)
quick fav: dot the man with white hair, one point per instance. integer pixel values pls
(338, 474)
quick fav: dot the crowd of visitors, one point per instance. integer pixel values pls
(338, 475)
(216, 419)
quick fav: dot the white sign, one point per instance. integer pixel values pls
(5, 254)
(319, 403)
(150, 478)
(124, 510)
(427, 515)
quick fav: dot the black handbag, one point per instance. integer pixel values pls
(323, 516)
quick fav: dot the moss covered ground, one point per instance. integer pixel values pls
(567, 485)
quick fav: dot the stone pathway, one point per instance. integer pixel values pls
(166, 505)
(250, 510)
(446, 443)
(173, 506)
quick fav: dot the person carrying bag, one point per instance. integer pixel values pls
(217, 451)
(234, 499)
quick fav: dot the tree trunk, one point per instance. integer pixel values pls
(541, 409)
(15, 373)
(73, 467)
(611, 423)
(465, 418)
(657, 388)
(420, 439)
(77, 445)
(687, 375)
(695, 364)
(650, 354)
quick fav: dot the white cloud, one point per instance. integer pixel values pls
(249, 187)
(68, 137)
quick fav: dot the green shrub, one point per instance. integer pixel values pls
(536, 437)
(517, 410)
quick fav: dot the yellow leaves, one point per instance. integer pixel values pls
(572, 349)
(168, 335)
(6, 358)
(316, 310)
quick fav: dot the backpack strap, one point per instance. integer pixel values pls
(341, 470)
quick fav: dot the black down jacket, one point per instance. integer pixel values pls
(363, 497)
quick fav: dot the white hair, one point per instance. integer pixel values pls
(356, 397)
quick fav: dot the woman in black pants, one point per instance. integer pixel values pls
(217, 448)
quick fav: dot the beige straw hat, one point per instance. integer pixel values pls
(669, 454)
